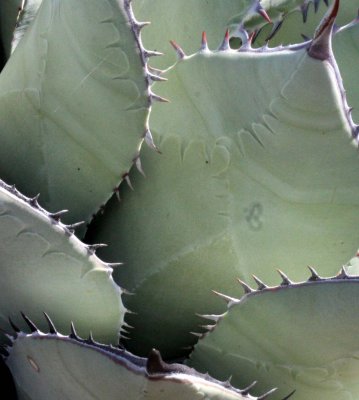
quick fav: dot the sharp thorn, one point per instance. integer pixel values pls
(225, 44)
(114, 265)
(266, 395)
(156, 78)
(276, 26)
(180, 53)
(155, 97)
(226, 298)
(211, 317)
(29, 323)
(149, 141)
(150, 53)
(126, 177)
(304, 9)
(13, 326)
(199, 335)
(51, 325)
(57, 215)
(247, 289)
(314, 275)
(73, 334)
(94, 247)
(342, 274)
(72, 227)
(34, 200)
(260, 284)
(90, 339)
(285, 280)
(204, 43)
(289, 395)
(139, 165)
(262, 12)
(247, 389)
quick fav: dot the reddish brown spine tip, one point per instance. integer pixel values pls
(204, 38)
(261, 11)
(179, 51)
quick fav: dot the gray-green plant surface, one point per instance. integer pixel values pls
(249, 169)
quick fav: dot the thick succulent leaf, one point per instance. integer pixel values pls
(75, 125)
(55, 366)
(300, 336)
(44, 267)
(287, 194)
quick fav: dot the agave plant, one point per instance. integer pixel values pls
(203, 164)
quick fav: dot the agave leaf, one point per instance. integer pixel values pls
(57, 366)
(266, 334)
(45, 268)
(50, 112)
(287, 195)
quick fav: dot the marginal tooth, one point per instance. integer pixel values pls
(262, 12)
(150, 53)
(285, 280)
(247, 289)
(140, 25)
(204, 43)
(73, 334)
(126, 177)
(154, 97)
(289, 395)
(156, 78)
(256, 34)
(34, 200)
(247, 389)
(90, 339)
(51, 325)
(226, 298)
(138, 164)
(211, 317)
(72, 227)
(304, 9)
(199, 335)
(276, 26)
(33, 328)
(209, 328)
(94, 247)
(13, 326)
(225, 44)
(57, 215)
(125, 324)
(266, 395)
(149, 140)
(155, 71)
(260, 284)
(342, 274)
(227, 383)
(321, 46)
(114, 265)
(314, 275)
(180, 53)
